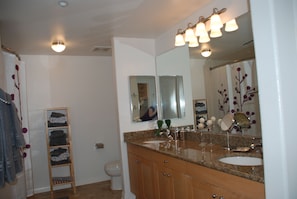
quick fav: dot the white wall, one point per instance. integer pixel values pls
(197, 78)
(86, 85)
(274, 31)
(131, 57)
(137, 57)
(177, 62)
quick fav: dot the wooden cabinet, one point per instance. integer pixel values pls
(142, 174)
(159, 176)
(156, 176)
(210, 183)
(59, 148)
(171, 177)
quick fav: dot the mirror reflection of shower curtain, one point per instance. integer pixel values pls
(224, 78)
(15, 76)
(172, 96)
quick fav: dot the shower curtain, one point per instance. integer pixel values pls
(226, 77)
(16, 86)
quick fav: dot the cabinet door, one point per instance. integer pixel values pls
(172, 184)
(165, 181)
(133, 172)
(142, 177)
(147, 180)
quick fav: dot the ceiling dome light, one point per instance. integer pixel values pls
(58, 46)
(206, 52)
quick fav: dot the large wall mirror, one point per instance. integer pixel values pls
(172, 96)
(143, 98)
(209, 75)
(174, 85)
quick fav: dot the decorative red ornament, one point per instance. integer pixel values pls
(25, 130)
(24, 154)
(12, 96)
(17, 67)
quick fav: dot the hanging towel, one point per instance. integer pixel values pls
(11, 141)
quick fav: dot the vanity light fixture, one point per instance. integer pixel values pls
(187, 35)
(58, 46)
(206, 52)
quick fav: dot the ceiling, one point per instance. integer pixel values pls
(87, 26)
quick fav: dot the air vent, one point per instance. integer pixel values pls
(104, 49)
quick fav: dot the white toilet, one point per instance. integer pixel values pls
(114, 170)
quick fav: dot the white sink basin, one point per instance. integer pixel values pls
(154, 141)
(242, 161)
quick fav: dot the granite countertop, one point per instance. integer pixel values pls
(203, 154)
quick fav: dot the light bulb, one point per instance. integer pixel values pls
(215, 22)
(215, 33)
(189, 35)
(231, 26)
(179, 40)
(200, 29)
(193, 42)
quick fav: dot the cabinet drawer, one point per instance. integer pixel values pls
(170, 162)
(140, 151)
(223, 184)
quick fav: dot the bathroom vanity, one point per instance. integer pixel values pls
(185, 169)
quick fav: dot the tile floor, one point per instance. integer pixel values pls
(100, 190)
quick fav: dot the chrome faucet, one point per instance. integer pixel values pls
(255, 145)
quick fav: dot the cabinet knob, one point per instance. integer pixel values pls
(165, 161)
(215, 196)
